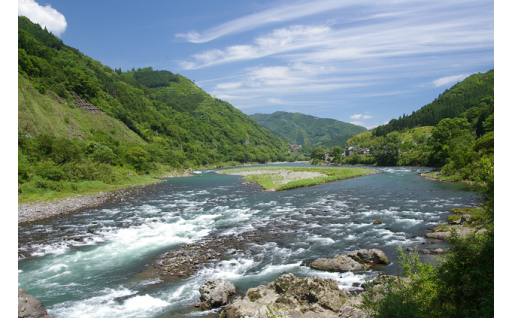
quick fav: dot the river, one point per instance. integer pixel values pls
(86, 264)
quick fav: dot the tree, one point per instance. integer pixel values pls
(137, 157)
(318, 153)
(450, 136)
(336, 152)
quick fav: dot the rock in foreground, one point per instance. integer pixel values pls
(355, 261)
(29, 306)
(340, 263)
(291, 296)
(215, 293)
(372, 256)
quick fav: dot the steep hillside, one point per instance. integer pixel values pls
(472, 98)
(64, 119)
(158, 106)
(304, 129)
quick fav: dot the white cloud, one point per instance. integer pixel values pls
(280, 40)
(367, 116)
(359, 123)
(228, 85)
(274, 100)
(448, 79)
(46, 16)
(407, 37)
(356, 116)
(279, 14)
(295, 10)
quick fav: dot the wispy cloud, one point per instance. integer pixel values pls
(292, 11)
(229, 85)
(404, 34)
(279, 14)
(280, 40)
(448, 80)
(359, 123)
(331, 55)
(46, 16)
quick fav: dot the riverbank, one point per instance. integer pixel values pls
(38, 210)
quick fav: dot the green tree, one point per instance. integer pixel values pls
(318, 153)
(449, 138)
(337, 152)
(138, 158)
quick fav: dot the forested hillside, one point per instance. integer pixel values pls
(460, 144)
(304, 129)
(472, 98)
(141, 120)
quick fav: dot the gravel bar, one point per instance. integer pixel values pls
(32, 211)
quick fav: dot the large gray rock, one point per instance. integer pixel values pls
(29, 306)
(340, 263)
(351, 312)
(215, 293)
(291, 296)
(438, 235)
(372, 256)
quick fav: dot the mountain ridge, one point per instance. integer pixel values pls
(301, 129)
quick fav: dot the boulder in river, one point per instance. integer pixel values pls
(339, 263)
(371, 256)
(29, 306)
(291, 296)
(215, 293)
(354, 261)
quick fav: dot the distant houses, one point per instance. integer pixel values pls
(361, 151)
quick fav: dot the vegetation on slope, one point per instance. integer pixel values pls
(144, 121)
(304, 129)
(473, 98)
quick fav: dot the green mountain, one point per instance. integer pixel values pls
(83, 126)
(304, 129)
(190, 124)
(472, 98)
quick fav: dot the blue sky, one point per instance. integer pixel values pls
(364, 62)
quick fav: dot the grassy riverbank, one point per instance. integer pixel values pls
(283, 178)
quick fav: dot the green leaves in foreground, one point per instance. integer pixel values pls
(283, 178)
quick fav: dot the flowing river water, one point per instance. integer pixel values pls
(86, 264)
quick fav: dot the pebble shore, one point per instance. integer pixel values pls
(32, 211)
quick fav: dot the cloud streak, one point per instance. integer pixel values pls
(46, 16)
(448, 80)
(405, 33)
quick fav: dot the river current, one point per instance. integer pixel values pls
(85, 264)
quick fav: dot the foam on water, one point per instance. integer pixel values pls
(311, 223)
(106, 305)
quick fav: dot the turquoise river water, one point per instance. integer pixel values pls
(87, 276)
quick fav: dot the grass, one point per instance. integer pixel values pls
(284, 178)
(69, 189)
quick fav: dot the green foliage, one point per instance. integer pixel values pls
(336, 153)
(472, 97)
(173, 122)
(463, 283)
(318, 153)
(304, 129)
(154, 79)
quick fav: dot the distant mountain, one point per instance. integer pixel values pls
(303, 129)
(472, 98)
